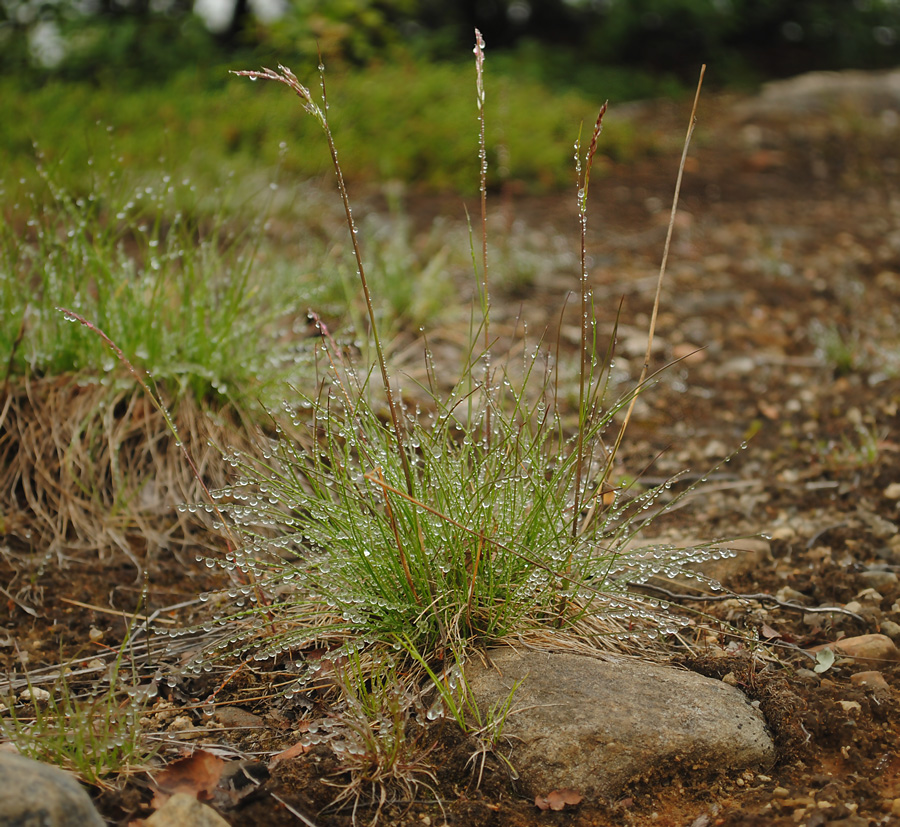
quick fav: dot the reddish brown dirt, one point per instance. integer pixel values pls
(779, 246)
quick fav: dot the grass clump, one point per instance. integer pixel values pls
(421, 530)
(400, 528)
(177, 293)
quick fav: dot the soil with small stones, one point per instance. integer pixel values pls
(779, 314)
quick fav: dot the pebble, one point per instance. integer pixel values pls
(880, 580)
(873, 681)
(33, 793)
(34, 694)
(874, 648)
(234, 716)
(807, 675)
(738, 365)
(183, 810)
(891, 629)
(788, 595)
(870, 596)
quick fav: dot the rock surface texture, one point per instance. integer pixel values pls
(593, 726)
(36, 794)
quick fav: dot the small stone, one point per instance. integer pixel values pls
(873, 681)
(738, 365)
(183, 810)
(892, 492)
(868, 610)
(874, 648)
(788, 595)
(36, 793)
(891, 629)
(881, 580)
(870, 595)
(781, 792)
(184, 727)
(34, 694)
(234, 716)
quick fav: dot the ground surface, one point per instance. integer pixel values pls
(785, 270)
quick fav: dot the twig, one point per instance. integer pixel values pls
(759, 598)
(114, 612)
(292, 811)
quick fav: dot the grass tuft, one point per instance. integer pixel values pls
(423, 530)
(398, 536)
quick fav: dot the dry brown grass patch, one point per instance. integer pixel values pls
(91, 469)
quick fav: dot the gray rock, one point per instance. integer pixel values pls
(33, 794)
(183, 810)
(881, 580)
(592, 726)
(822, 92)
(891, 629)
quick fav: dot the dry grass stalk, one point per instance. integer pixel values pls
(90, 469)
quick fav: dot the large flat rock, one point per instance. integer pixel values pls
(593, 726)
(32, 793)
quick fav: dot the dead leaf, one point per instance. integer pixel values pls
(558, 799)
(291, 752)
(768, 632)
(197, 776)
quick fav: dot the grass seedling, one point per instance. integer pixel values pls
(96, 735)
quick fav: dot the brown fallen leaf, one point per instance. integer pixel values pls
(196, 775)
(768, 632)
(291, 752)
(558, 799)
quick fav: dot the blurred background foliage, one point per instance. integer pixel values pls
(400, 71)
(146, 41)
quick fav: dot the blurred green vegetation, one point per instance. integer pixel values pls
(146, 41)
(205, 126)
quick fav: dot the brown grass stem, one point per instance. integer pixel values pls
(142, 380)
(482, 156)
(662, 268)
(289, 79)
(482, 175)
(584, 372)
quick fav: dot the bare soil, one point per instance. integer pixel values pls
(780, 314)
